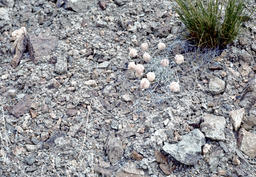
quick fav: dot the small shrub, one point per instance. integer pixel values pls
(211, 23)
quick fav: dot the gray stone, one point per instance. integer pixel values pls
(237, 116)
(188, 150)
(245, 56)
(247, 143)
(79, 5)
(114, 149)
(254, 47)
(213, 127)
(30, 160)
(61, 66)
(216, 86)
(4, 14)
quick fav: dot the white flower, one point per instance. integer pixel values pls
(164, 62)
(151, 76)
(144, 46)
(179, 59)
(161, 46)
(139, 68)
(132, 65)
(146, 57)
(133, 53)
(174, 87)
(144, 83)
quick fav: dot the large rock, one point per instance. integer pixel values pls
(188, 150)
(247, 143)
(237, 116)
(213, 126)
(216, 85)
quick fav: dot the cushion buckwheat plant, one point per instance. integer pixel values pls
(211, 23)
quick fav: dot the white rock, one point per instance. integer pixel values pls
(237, 117)
(216, 86)
(90, 83)
(213, 127)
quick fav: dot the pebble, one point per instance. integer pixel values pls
(5, 76)
(188, 150)
(247, 143)
(216, 86)
(11, 92)
(237, 117)
(31, 147)
(126, 97)
(213, 127)
(90, 83)
(30, 160)
(136, 156)
(61, 66)
(114, 149)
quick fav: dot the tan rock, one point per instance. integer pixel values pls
(237, 117)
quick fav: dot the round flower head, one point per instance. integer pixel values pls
(174, 87)
(164, 62)
(161, 46)
(144, 46)
(133, 53)
(179, 59)
(151, 76)
(139, 68)
(144, 83)
(146, 57)
(132, 65)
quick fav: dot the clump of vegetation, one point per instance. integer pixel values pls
(211, 23)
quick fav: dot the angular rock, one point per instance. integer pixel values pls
(213, 127)
(21, 107)
(43, 45)
(237, 116)
(114, 149)
(61, 66)
(216, 86)
(247, 143)
(188, 150)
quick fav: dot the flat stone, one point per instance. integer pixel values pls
(213, 127)
(103, 65)
(216, 86)
(21, 107)
(188, 150)
(79, 5)
(237, 117)
(247, 143)
(114, 149)
(43, 45)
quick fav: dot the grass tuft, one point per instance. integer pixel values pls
(211, 23)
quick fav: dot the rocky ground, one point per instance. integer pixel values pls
(76, 110)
